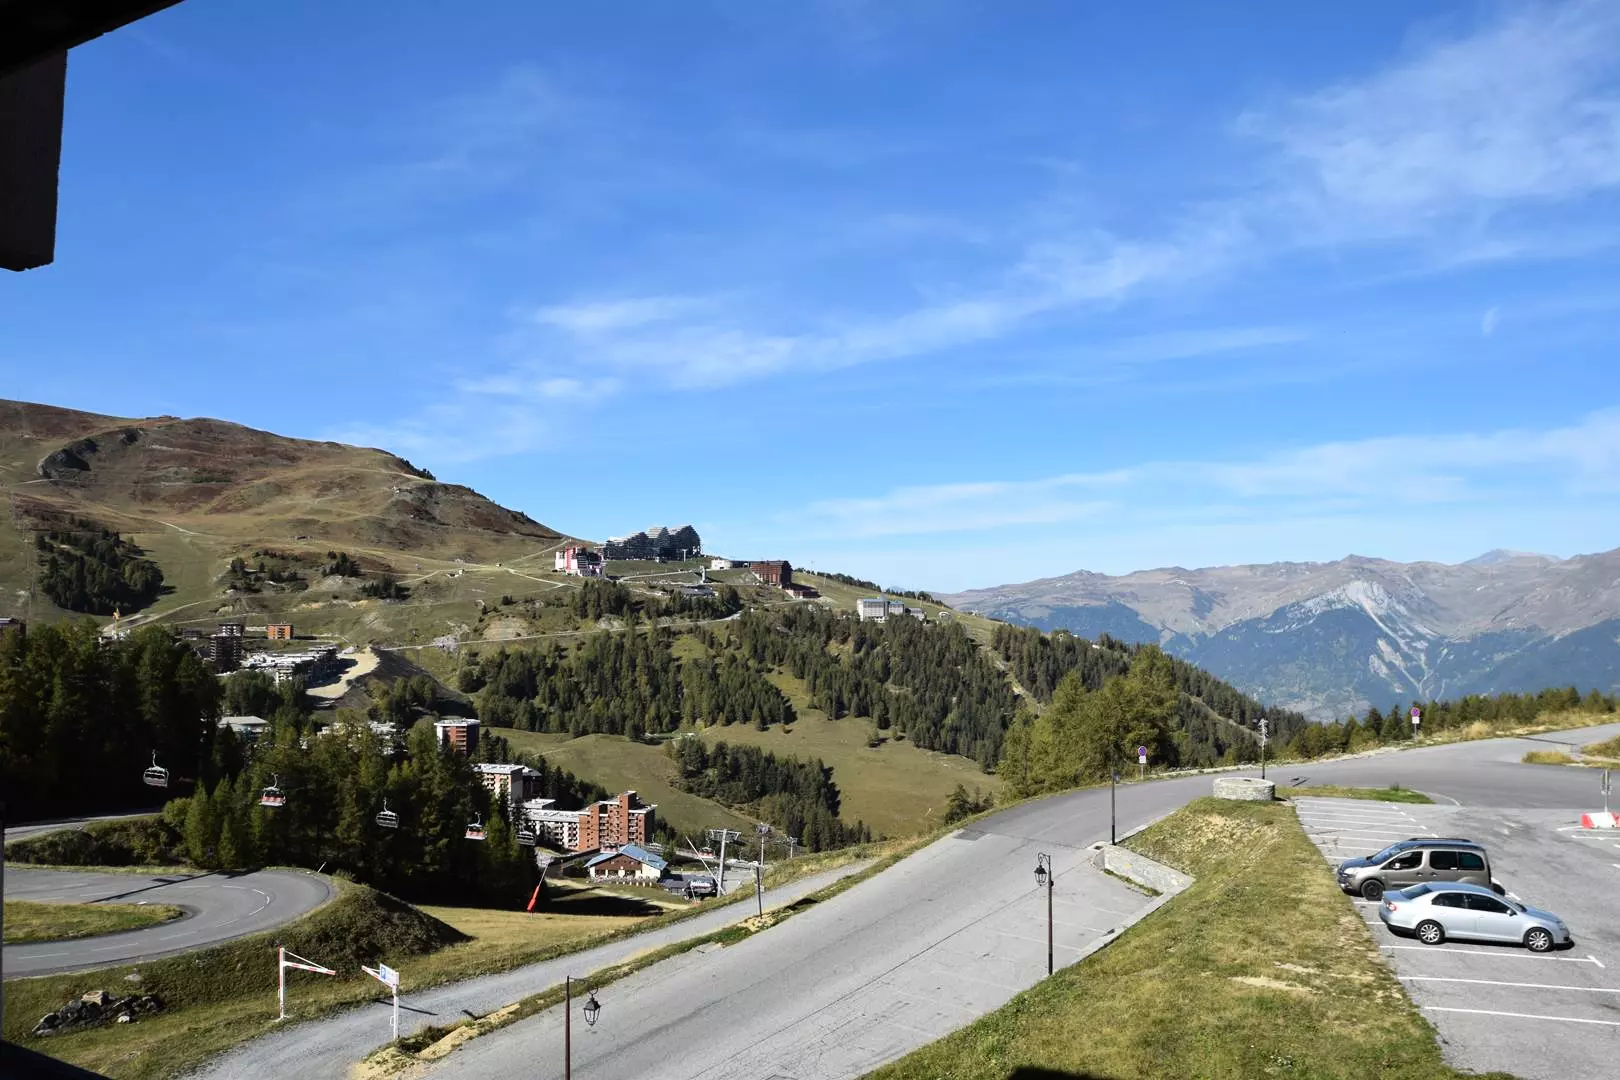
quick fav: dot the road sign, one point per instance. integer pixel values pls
(1141, 755)
(1417, 716)
(389, 978)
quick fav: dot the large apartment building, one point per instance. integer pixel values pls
(512, 785)
(613, 822)
(658, 542)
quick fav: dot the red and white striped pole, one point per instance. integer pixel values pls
(282, 964)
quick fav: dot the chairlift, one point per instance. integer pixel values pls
(526, 837)
(475, 829)
(156, 776)
(273, 796)
(387, 818)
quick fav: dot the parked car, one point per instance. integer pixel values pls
(702, 885)
(1434, 913)
(1414, 862)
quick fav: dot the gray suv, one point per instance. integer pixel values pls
(1415, 862)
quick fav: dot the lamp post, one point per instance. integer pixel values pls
(1046, 878)
(1113, 778)
(592, 1008)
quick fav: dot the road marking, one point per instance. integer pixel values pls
(1440, 951)
(1345, 819)
(1527, 986)
(1523, 1016)
(1334, 840)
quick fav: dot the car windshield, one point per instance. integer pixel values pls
(1415, 891)
(1386, 853)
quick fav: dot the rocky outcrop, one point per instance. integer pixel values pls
(94, 1009)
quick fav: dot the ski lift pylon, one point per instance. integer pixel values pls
(475, 828)
(387, 818)
(273, 796)
(156, 776)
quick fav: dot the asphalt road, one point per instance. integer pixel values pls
(40, 828)
(936, 941)
(886, 966)
(218, 907)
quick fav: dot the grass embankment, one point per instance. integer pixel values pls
(1547, 757)
(1394, 793)
(218, 997)
(28, 921)
(1606, 751)
(1261, 968)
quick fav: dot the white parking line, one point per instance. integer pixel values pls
(1524, 1016)
(1440, 951)
(1359, 838)
(1527, 986)
(1392, 823)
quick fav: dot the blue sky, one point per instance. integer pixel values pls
(940, 293)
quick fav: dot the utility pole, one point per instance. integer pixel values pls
(724, 836)
(764, 830)
(1265, 727)
(568, 1027)
(759, 890)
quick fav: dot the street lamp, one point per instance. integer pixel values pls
(1046, 878)
(592, 1009)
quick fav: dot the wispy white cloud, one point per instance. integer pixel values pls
(1487, 322)
(1526, 109)
(1580, 460)
(597, 317)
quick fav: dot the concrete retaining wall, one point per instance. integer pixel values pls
(1142, 870)
(1245, 789)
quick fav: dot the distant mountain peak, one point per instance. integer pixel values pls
(1502, 555)
(1328, 639)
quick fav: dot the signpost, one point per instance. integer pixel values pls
(1265, 730)
(1141, 762)
(1417, 718)
(389, 978)
(282, 964)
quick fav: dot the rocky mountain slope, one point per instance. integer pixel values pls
(193, 494)
(1328, 639)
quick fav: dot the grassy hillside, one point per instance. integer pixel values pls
(896, 788)
(194, 493)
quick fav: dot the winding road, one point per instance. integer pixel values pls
(948, 934)
(218, 906)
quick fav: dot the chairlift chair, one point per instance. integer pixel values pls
(273, 796)
(387, 818)
(475, 829)
(156, 776)
(526, 837)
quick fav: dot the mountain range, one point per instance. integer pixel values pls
(1329, 639)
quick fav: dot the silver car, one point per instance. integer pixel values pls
(1434, 913)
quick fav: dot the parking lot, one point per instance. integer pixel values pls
(1498, 1006)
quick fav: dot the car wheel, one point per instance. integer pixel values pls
(1372, 890)
(1430, 932)
(1538, 940)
